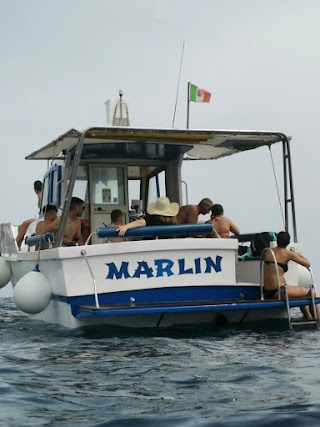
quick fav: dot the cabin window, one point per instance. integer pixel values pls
(81, 189)
(108, 185)
(156, 187)
(134, 186)
(56, 186)
(45, 192)
(52, 184)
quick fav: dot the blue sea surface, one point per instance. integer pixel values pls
(52, 376)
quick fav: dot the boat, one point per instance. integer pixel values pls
(147, 282)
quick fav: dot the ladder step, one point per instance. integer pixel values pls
(303, 322)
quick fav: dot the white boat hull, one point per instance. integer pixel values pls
(60, 313)
(147, 284)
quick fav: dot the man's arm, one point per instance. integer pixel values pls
(52, 226)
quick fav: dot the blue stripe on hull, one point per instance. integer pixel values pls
(169, 295)
(203, 299)
(83, 311)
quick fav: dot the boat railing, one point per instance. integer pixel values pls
(40, 239)
(184, 230)
(243, 238)
(89, 237)
(8, 244)
(313, 293)
(84, 255)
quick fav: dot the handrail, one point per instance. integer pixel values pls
(187, 199)
(46, 238)
(84, 253)
(246, 237)
(158, 230)
(68, 196)
(312, 288)
(89, 238)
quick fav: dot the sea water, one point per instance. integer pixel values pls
(52, 376)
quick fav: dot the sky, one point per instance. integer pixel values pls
(61, 60)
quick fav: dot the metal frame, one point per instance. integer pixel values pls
(68, 196)
(288, 188)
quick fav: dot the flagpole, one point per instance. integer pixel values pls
(188, 105)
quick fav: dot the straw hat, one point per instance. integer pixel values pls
(163, 207)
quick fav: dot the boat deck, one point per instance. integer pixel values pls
(184, 306)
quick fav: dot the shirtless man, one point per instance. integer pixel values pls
(37, 186)
(22, 229)
(188, 214)
(72, 232)
(117, 220)
(50, 214)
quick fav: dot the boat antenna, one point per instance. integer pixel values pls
(120, 116)
(175, 106)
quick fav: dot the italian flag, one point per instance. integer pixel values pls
(198, 95)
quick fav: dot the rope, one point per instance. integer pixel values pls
(175, 106)
(277, 186)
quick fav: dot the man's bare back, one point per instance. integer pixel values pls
(72, 233)
(42, 226)
(188, 214)
(50, 215)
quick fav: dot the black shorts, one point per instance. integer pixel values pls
(271, 294)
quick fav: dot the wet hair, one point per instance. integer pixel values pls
(283, 239)
(75, 201)
(206, 202)
(217, 210)
(167, 219)
(37, 185)
(116, 214)
(49, 208)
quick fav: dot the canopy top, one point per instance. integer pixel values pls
(195, 144)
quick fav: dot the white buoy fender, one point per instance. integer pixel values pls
(5, 272)
(32, 293)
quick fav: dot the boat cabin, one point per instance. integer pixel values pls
(127, 168)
